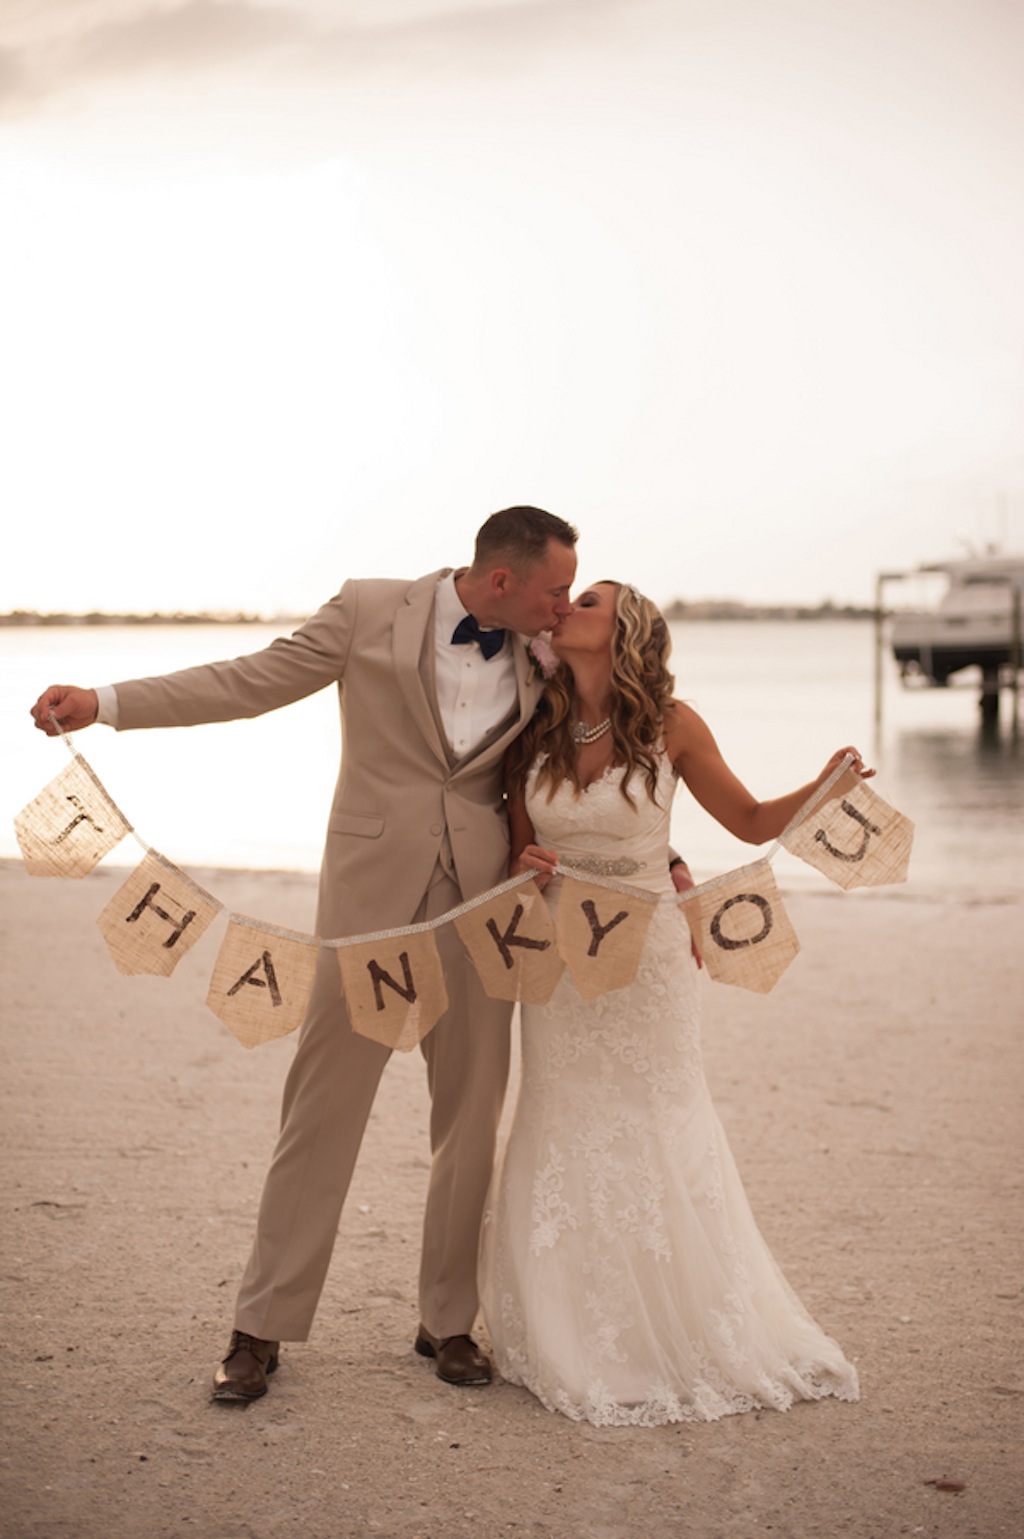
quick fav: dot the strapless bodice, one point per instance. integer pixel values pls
(599, 831)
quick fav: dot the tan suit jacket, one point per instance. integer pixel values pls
(403, 805)
(402, 800)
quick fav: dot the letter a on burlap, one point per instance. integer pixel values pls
(511, 941)
(70, 825)
(854, 837)
(741, 929)
(262, 980)
(156, 917)
(601, 933)
(394, 988)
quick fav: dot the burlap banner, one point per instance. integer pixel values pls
(601, 933)
(262, 980)
(156, 917)
(741, 929)
(513, 946)
(70, 825)
(853, 836)
(394, 981)
(394, 987)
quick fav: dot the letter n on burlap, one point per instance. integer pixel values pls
(262, 980)
(394, 988)
(511, 941)
(70, 825)
(601, 933)
(156, 917)
(855, 837)
(741, 929)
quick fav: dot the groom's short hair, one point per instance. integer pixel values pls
(520, 536)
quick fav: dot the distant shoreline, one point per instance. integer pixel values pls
(26, 617)
(677, 610)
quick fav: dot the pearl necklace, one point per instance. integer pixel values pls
(581, 733)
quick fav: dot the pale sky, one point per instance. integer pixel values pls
(301, 291)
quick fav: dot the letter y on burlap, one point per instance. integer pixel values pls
(601, 934)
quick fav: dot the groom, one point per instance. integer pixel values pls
(434, 682)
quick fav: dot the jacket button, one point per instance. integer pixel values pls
(436, 828)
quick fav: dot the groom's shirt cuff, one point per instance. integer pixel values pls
(106, 705)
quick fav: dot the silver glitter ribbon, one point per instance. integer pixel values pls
(603, 865)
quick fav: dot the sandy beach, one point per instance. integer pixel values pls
(873, 1100)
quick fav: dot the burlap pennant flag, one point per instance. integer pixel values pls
(601, 933)
(156, 917)
(511, 941)
(741, 928)
(394, 988)
(70, 826)
(855, 837)
(262, 980)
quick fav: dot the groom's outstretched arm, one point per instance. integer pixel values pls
(289, 669)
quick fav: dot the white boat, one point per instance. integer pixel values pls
(976, 623)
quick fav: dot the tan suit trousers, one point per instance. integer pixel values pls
(327, 1100)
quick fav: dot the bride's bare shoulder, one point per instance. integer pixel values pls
(688, 738)
(682, 723)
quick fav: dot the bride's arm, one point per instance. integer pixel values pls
(525, 854)
(698, 761)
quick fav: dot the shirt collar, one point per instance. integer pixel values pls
(449, 609)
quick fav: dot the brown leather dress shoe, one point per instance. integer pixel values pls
(459, 1359)
(243, 1373)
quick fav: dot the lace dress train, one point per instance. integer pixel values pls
(624, 1279)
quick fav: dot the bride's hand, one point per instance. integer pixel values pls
(837, 758)
(541, 861)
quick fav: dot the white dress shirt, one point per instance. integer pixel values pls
(106, 705)
(474, 693)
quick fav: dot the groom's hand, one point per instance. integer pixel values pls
(682, 881)
(73, 708)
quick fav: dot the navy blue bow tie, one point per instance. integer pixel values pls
(489, 642)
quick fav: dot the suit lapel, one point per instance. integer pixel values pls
(412, 633)
(530, 684)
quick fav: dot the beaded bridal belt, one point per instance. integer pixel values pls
(603, 865)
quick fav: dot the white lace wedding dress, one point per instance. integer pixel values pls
(624, 1280)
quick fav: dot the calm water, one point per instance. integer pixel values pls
(779, 698)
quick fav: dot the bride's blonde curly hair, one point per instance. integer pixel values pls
(642, 690)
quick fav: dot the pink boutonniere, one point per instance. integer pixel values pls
(543, 659)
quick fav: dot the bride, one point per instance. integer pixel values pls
(624, 1279)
